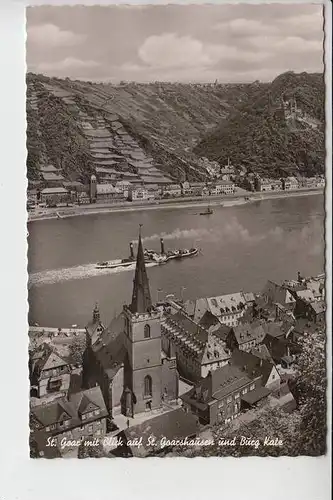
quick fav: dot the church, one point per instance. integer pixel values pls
(126, 358)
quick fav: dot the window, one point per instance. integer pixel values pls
(148, 385)
(147, 332)
(252, 387)
(237, 395)
(229, 399)
(96, 412)
(83, 417)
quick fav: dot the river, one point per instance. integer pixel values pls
(241, 247)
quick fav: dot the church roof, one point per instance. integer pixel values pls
(141, 299)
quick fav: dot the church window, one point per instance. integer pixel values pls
(147, 332)
(148, 385)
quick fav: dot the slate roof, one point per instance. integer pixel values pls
(252, 364)
(45, 358)
(247, 332)
(256, 395)
(278, 293)
(63, 409)
(109, 348)
(274, 329)
(319, 307)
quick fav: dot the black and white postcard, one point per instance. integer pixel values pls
(176, 160)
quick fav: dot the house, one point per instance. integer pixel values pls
(52, 179)
(321, 182)
(290, 183)
(54, 195)
(258, 363)
(165, 429)
(138, 193)
(223, 394)
(276, 184)
(123, 187)
(316, 311)
(186, 188)
(223, 187)
(172, 190)
(69, 421)
(245, 336)
(278, 340)
(107, 192)
(195, 349)
(227, 308)
(275, 293)
(268, 184)
(199, 189)
(49, 372)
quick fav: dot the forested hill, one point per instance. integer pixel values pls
(169, 126)
(281, 131)
(164, 121)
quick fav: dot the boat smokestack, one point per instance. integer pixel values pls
(131, 250)
(162, 246)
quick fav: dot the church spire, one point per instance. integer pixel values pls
(141, 300)
(96, 314)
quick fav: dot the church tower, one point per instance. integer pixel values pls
(142, 340)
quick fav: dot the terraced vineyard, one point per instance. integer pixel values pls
(141, 132)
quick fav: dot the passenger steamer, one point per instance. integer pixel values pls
(150, 257)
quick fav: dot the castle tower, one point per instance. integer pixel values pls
(93, 189)
(142, 341)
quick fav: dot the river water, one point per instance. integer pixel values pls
(241, 247)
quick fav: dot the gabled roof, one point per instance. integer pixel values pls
(247, 332)
(274, 329)
(278, 293)
(252, 364)
(319, 306)
(45, 358)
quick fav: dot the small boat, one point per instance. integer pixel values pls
(208, 211)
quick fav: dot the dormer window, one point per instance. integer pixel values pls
(147, 332)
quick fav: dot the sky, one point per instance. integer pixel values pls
(192, 43)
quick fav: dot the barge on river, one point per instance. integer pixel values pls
(151, 256)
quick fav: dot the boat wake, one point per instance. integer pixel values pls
(52, 276)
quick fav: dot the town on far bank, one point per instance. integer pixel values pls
(169, 372)
(138, 182)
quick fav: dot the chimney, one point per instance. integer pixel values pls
(131, 251)
(162, 246)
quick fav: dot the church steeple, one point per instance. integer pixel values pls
(141, 300)
(96, 314)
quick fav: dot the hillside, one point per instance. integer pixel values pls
(77, 126)
(281, 131)
(157, 132)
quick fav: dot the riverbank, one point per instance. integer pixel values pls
(240, 198)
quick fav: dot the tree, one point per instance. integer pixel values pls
(310, 392)
(77, 348)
